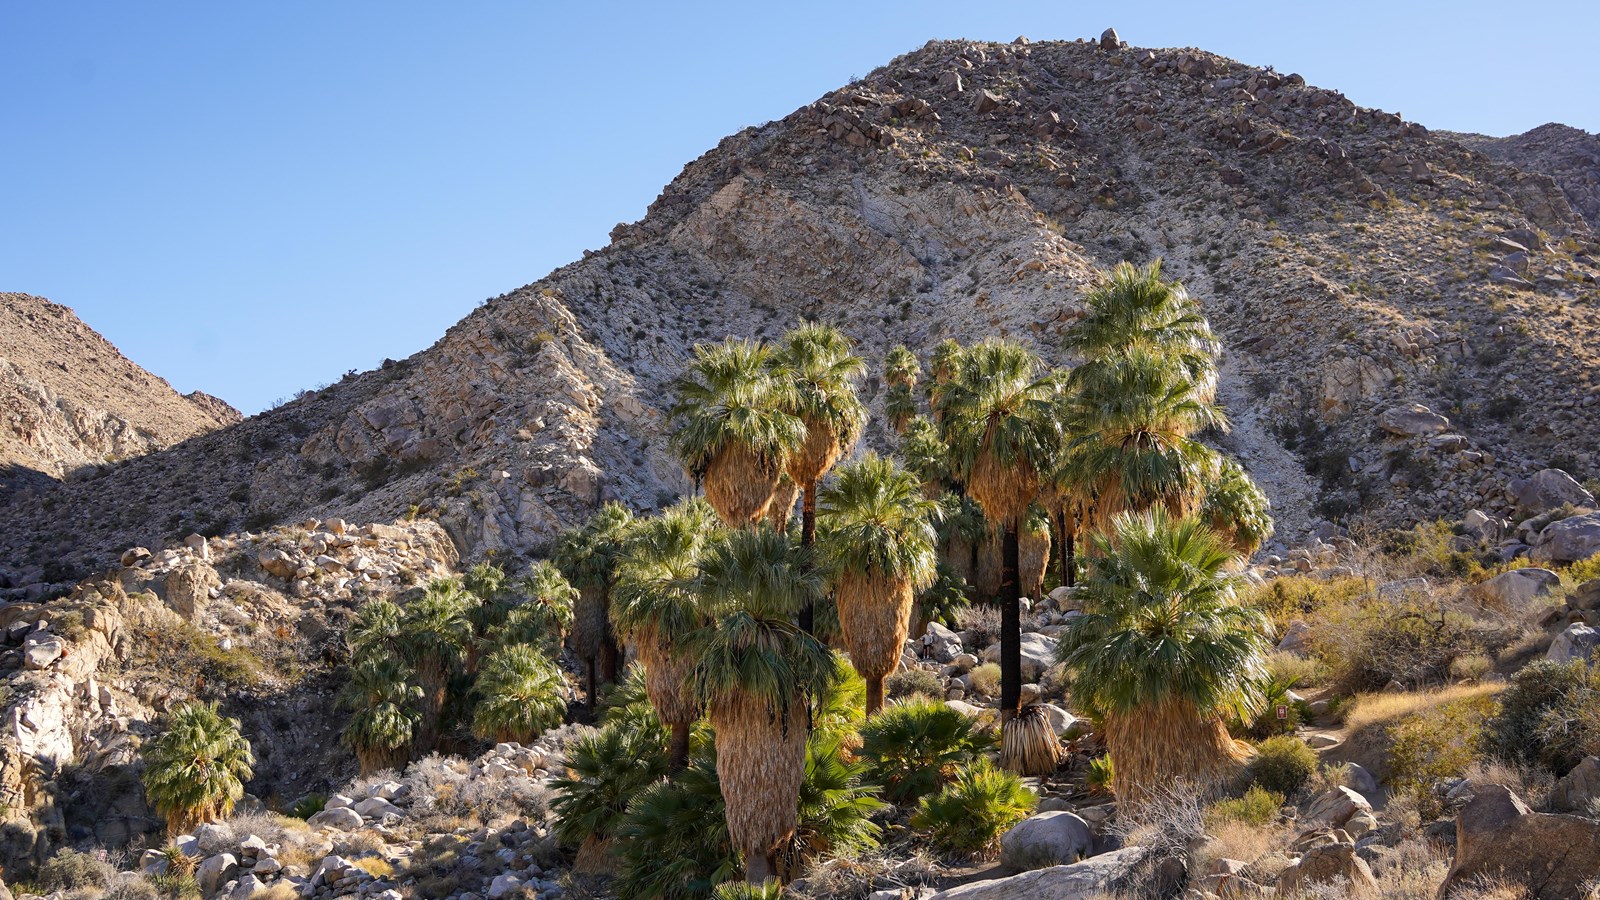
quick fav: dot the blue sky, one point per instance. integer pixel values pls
(252, 198)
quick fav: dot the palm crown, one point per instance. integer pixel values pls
(198, 766)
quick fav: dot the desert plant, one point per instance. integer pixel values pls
(985, 679)
(1549, 715)
(1236, 507)
(673, 840)
(915, 747)
(605, 771)
(969, 814)
(771, 889)
(587, 556)
(1282, 764)
(942, 601)
(73, 870)
(1028, 743)
(435, 634)
(836, 807)
(1258, 806)
(383, 718)
(520, 695)
(1102, 774)
(915, 683)
(196, 769)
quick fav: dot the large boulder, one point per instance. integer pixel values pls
(1577, 790)
(1552, 856)
(1577, 642)
(41, 649)
(1038, 654)
(1094, 877)
(946, 643)
(1336, 806)
(216, 871)
(1412, 420)
(341, 818)
(1515, 589)
(1573, 539)
(1047, 839)
(1545, 490)
(188, 588)
(1328, 865)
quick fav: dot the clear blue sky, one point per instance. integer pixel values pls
(252, 198)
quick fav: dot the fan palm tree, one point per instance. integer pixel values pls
(1132, 308)
(376, 630)
(999, 415)
(900, 373)
(782, 508)
(734, 429)
(587, 557)
(384, 718)
(542, 612)
(925, 455)
(435, 635)
(656, 608)
(196, 769)
(1033, 547)
(878, 548)
(519, 695)
(488, 599)
(821, 370)
(1236, 507)
(1163, 650)
(756, 674)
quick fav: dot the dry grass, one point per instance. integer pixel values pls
(1366, 711)
(1531, 784)
(1414, 869)
(1232, 839)
(985, 680)
(376, 866)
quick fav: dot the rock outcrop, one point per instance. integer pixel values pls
(1551, 856)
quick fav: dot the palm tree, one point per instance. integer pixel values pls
(817, 362)
(1162, 650)
(878, 548)
(519, 695)
(196, 769)
(999, 415)
(1132, 308)
(926, 456)
(384, 719)
(656, 608)
(587, 557)
(543, 612)
(782, 508)
(900, 372)
(1033, 547)
(756, 674)
(488, 603)
(376, 630)
(735, 432)
(1236, 507)
(435, 634)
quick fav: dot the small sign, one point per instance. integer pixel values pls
(1283, 712)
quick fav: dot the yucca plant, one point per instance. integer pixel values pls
(916, 746)
(877, 548)
(519, 695)
(606, 770)
(734, 428)
(383, 699)
(196, 769)
(757, 674)
(434, 636)
(657, 606)
(587, 557)
(1163, 651)
(971, 813)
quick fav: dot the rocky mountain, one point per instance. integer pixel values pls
(69, 399)
(1569, 155)
(1409, 321)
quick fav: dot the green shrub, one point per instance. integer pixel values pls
(1102, 772)
(1438, 743)
(71, 870)
(915, 683)
(1258, 807)
(915, 747)
(836, 807)
(308, 806)
(740, 890)
(971, 813)
(986, 679)
(1282, 764)
(605, 770)
(1549, 715)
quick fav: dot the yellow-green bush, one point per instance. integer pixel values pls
(1258, 806)
(1435, 744)
(1282, 764)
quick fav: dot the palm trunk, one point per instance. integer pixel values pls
(1069, 542)
(808, 536)
(761, 760)
(874, 695)
(590, 665)
(435, 682)
(610, 653)
(1010, 626)
(678, 753)
(1157, 745)
(1059, 519)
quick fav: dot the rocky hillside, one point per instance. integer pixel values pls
(68, 399)
(1569, 155)
(1409, 322)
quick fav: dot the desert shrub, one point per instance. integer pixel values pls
(1583, 570)
(915, 683)
(1549, 715)
(1102, 772)
(308, 806)
(605, 770)
(915, 747)
(971, 813)
(1294, 670)
(1258, 806)
(1275, 694)
(1366, 646)
(986, 679)
(1284, 600)
(1439, 743)
(1282, 764)
(1472, 667)
(982, 621)
(72, 870)
(269, 826)
(134, 889)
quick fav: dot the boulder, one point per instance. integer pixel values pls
(134, 555)
(246, 887)
(277, 563)
(216, 871)
(340, 818)
(1094, 877)
(1573, 539)
(1412, 420)
(154, 862)
(503, 885)
(377, 808)
(42, 649)
(1515, 589)
(1545, 490)
(1334, 864)
(1335, 807)
(214, 837)
(1038, 654)
(1046, 839)
(1294, 637)
(1577, 642)
(1553, 856)
(1357, 777)
(1109, 39)
(946, 643)
(1577, 790)
(1063, 723)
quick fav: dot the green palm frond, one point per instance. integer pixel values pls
(605, 771)
(900, 366)
(925, 453)
(376, 629)
(196, 769)
(817, 363)
(836, 806)
(520, 695)
(673, 840)
(942, 600)
(729, 396)
(587, 555)
(1235, 506)
(382, 701)
(1161, 621)
(435, 626)
(486, 581)
(656, 592)
(1132, 307)
(915, 747)
(877, 524)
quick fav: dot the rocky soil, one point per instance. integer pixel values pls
(1355, 263)
(1569, 155)
(69, 400)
